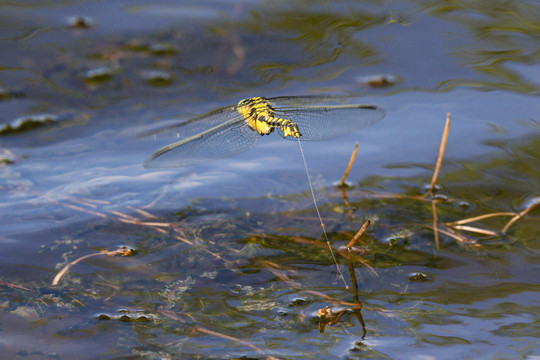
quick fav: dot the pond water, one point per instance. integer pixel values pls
(229, 259)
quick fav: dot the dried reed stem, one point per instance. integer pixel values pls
(347, 203)
(454, 235)
(122, 251)
(358, 234)
(477, 218)
(232, 338)
(442, 149)
(518, 216)
(349, 166)
(475, 229)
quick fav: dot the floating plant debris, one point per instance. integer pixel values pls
(381, 80)
(157, 78)
(81, 22)
(162, 49)
(8, 94)
(418, 276)
(99, 75)
(27, 123)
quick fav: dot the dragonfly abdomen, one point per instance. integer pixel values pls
(289, 128)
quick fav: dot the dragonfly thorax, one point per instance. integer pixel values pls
(260, 116)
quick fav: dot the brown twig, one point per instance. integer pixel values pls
(329, 298)
(349, 166)
(346, 200)
(69, 206)
(280, 274)
(518, 216)
(358, 234)
(442, 149)
(384, 195)
(146, 223)
(451, 233)
(142, 212)
(12, 285)
(354, 281)
(362, 261)
(357, 254)
(475, 229)
(481, 217)
(123, 216)
(232, 338)
(123, 251)
(461, 238)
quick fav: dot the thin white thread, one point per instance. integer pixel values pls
(319, 214)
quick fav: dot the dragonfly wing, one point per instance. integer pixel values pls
(327, 122)
(230, 138)
(181, 129)
(292, 102)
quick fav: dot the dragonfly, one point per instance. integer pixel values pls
(237, 128)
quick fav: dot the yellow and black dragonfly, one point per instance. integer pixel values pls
(235, 129)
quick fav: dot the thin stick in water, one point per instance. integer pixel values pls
(349, 166)
(442, 149)
(358, 234)
(123, 251)
(481, 217)
(520, 215)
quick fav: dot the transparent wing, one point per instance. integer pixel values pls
(181, 129)
(292, 102)
(229, 138)
(327, 122)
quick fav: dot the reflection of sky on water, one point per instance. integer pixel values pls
(109, 168)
